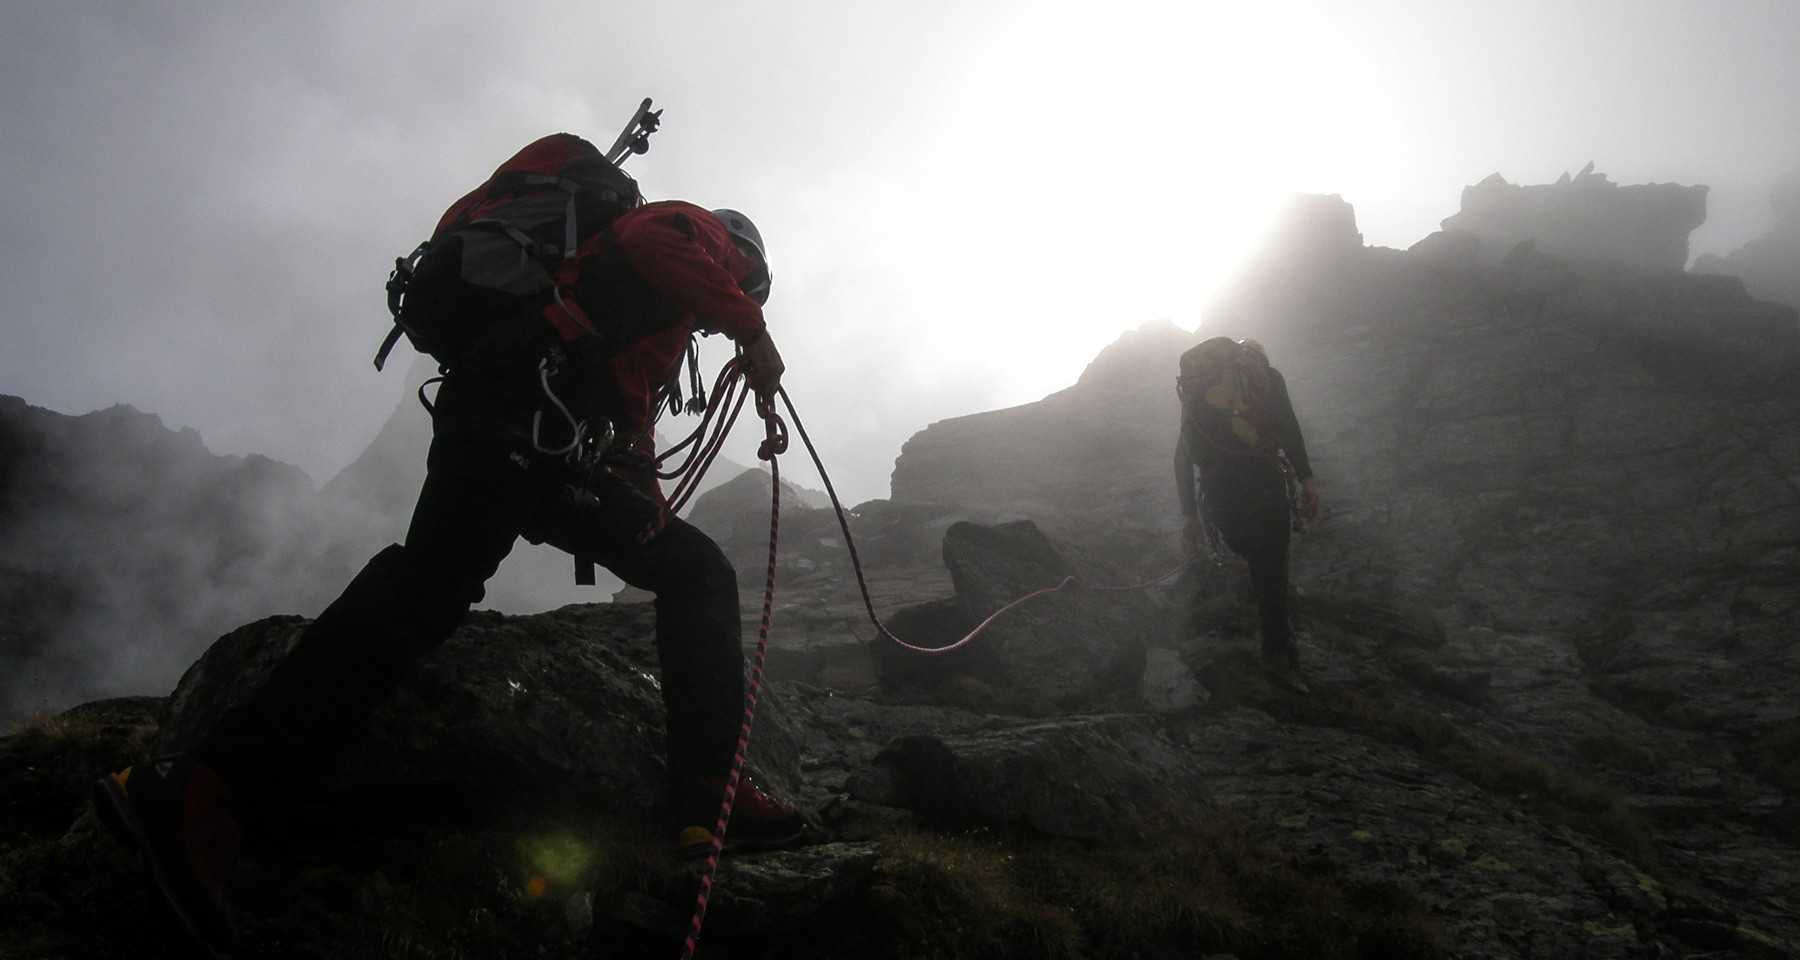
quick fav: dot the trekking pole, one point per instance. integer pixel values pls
(635, 138)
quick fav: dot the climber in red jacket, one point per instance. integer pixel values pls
(676, 269)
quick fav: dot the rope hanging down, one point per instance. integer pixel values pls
(774, 442)
(729, 394)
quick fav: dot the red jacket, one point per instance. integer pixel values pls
(685, 254)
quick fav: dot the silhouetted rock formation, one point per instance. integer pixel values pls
(1318, 231)
(127, 547)
(1562, 496)
(1093, 457)
(1547, 616)
(1585, 218)
(1770, 264)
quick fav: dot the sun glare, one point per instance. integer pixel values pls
(1119, 169)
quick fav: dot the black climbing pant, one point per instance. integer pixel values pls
(485, 487)
(1248, 502)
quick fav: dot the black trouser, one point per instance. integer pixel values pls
(1249, 504)
(484, 488)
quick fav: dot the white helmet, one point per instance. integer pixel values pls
(756, 286)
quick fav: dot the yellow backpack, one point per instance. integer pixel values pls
(1224, 390)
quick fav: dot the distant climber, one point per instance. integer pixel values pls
(494, 473)
(1240, 435)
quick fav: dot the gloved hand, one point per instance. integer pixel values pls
(765, 363)
(1309, 499)
(1193, 534)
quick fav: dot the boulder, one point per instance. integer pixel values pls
(1071, 643)
(562, 707)
(1586, 217)
(1096, 779)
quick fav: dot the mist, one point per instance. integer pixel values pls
(964, 203)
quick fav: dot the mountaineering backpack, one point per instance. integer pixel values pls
(1224, 388)
(505, 252)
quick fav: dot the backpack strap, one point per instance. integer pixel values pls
(517, 181)
(387, 345)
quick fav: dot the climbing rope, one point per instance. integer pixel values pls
(729, 392)
(863, 584)
(774, 443)
(728, 395)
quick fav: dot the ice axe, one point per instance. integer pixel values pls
(635, 138)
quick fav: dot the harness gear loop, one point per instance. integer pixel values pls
(1215, 541)
(1291, 480)
(547, 368)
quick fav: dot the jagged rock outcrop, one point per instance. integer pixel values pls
(114, 526)
(735, 514)
(1770, 264)
(1546, 618)
(1609, 456)
(1093, 457)
(1587, 465)
(1312, 229)
(1585, 218)
(1601, 454)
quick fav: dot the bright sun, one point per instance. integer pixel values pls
(1106, 171)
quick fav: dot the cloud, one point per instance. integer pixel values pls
(964, 201)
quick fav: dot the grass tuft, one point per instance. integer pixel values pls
(1200, 889)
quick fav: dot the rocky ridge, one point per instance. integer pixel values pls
(1585, 217)
(1544, 618)
(1770, 264)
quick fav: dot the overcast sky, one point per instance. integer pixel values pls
(964, 200)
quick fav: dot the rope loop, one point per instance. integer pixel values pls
(775, 440)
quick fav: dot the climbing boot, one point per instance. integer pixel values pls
(758, 822)
(177, 812)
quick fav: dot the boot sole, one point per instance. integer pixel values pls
(735, 844)
(114, 807)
